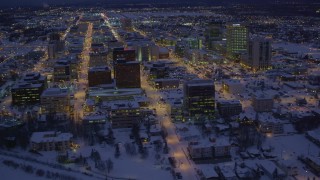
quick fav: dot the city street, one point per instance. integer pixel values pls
(177, 149)
(83, 76)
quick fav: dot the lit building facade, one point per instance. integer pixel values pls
(199, 97)
(56, 100)
(237, 39)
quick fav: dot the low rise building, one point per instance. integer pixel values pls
(166, 83)
(268, 124)
(233, 86)
(262, 103)
(214, 148)
(125, 114)
(50, 141)
(229, 107)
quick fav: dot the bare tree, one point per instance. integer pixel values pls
(109, 164)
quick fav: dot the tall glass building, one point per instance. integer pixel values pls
(199, 97)
(237, 39)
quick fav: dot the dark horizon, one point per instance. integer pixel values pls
(41, 3)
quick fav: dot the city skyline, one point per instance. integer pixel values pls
(161, 90)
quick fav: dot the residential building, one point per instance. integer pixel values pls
(50, 141)
(268, 124)
(56, 100)
(125, 115)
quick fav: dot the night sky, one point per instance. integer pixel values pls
(21, 3)
(4, 3)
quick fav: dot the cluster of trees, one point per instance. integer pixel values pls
(99, 164)
(39, 172)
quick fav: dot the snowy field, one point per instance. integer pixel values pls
(126, 166)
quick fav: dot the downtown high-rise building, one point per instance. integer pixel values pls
(237, 40)
(199, 97)
(127, 74)
(213, 34)
(259, 54)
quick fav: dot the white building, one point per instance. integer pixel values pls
(50, 141)
(268, 124)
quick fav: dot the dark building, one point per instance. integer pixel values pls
(127, 74)
(99, 75)
(213, 33)
(54, 36)
(259, 54)
(65, 70)
(28, 89)
(228, 108)
(98, 58)
(26, 93)
(56, 45)
(199, 97)
(123, 54)
(159, 71)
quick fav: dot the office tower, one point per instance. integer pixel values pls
(145, 50)
(237, 40)
(127, 74)
(99, 75)
(259, 54)
(28, 89)
(52, 50)
(65, 70)
(213, 33)
(199, 97)
(26, 93)
(56, 45)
